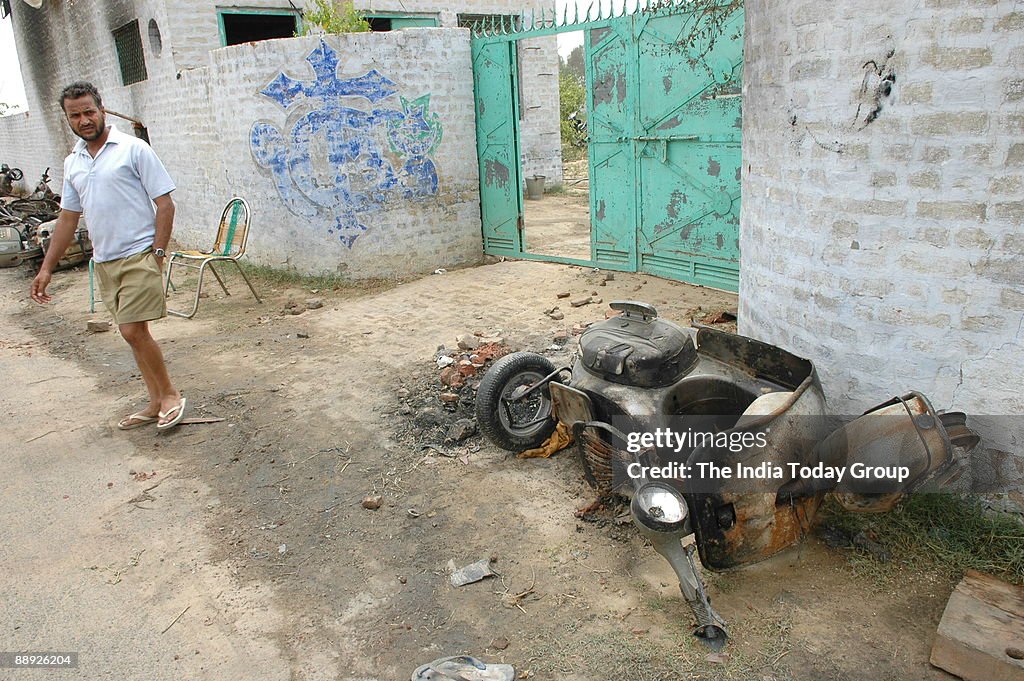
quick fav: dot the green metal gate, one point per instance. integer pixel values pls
(663, 99)
(497, 144)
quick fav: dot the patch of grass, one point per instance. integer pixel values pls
(656, 603)
(719, 581)
(607, 652)
(760, 642)
(322, 282)
(944, 531)
(603, 648)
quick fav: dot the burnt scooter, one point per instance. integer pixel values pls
(756, 406)
(8, 176)
(39, 214)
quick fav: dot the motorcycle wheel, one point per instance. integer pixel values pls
(515, 425)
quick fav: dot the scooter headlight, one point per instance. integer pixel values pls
(659, 507)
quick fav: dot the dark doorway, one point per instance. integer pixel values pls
(240, 28)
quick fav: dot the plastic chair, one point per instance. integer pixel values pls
(229, 246)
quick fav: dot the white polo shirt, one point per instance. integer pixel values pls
(115, 192)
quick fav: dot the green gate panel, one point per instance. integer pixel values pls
(611, 103)
(688, 154)
(497, 142)
(665, 127)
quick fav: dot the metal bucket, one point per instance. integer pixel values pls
(535, 187)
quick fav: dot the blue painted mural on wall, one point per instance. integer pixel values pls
(340, 163)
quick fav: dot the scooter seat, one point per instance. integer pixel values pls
(638, 351)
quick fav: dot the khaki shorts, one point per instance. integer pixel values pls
(132, 288)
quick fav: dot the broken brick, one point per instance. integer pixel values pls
(447, 374)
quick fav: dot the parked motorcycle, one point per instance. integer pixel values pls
(12, 245)
(8, 176)
(14, 236)
(715, 435)
(43, 192)
(26, 226)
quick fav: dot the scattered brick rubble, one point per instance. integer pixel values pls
(440, 402)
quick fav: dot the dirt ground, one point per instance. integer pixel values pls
(240, 549)
(557, 224)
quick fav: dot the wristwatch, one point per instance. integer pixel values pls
(159, 252)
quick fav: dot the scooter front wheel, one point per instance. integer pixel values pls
(510, 414)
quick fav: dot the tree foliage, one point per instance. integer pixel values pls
(706, 26)
(332, 18)
(574, 63)
(572, 104)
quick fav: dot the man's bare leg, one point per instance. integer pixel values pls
(153, 409)
(150, 361)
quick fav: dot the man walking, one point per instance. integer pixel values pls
(115, 179)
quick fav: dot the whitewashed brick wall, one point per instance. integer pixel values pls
(181, 101)
(24, 144)
(539, 129)
(61, 43)
(405, 236)
(194, 33)
(881, 234)
(194, 30)
(199, 122)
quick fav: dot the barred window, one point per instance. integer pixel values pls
(128, 42)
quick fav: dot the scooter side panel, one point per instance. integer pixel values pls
(735, 526)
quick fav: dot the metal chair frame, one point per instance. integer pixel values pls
(92, 287)
(229, 246)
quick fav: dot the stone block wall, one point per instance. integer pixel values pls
(193, 33)
(25, 144)
(883, 194)
(539, 129)
(417, 212)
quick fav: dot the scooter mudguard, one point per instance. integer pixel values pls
(895, 449)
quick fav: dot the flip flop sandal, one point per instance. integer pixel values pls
(463, 668)
(136, 420)
(179, 413)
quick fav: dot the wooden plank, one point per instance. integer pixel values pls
(981, 634)
(997, 592)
